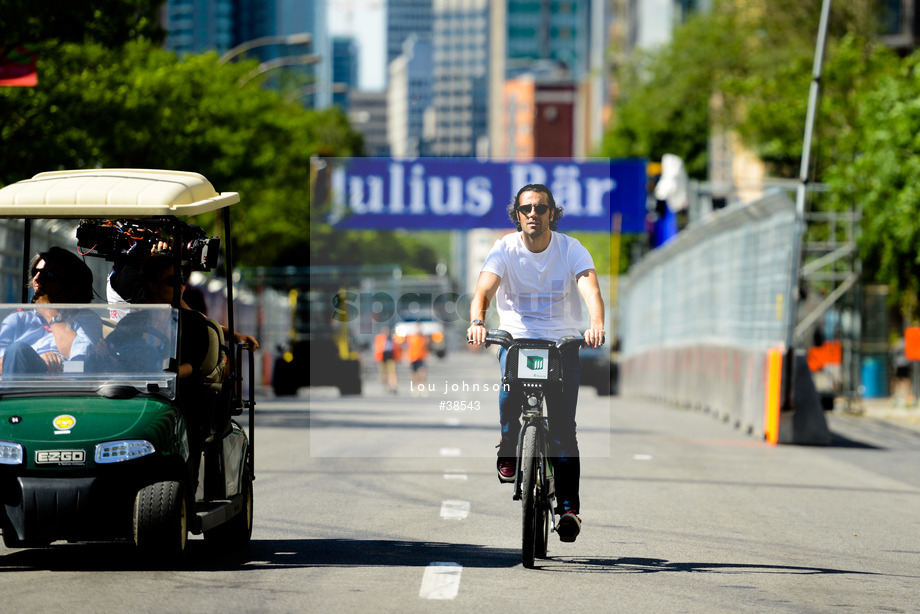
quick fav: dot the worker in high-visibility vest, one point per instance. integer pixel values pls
(387, 352)
(417, 350)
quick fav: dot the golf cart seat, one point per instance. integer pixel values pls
(215, 362)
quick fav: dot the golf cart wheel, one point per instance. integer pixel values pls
(236, 532)
(161, 521)
(11, 540)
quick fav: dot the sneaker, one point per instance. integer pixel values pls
(569, 527)
(506, 466)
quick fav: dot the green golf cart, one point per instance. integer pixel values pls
(101, 449)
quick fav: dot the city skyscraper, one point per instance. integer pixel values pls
(195, 26)
(461, 85)
(407, 18)
(344, 68)
(367, 112)
(409, 96)
(556, 30)
(317, 24)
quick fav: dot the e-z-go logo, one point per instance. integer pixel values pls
(60, 457)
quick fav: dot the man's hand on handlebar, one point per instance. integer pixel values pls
(594, 337)
(476, 334)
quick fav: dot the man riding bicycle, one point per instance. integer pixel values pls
(535, 274)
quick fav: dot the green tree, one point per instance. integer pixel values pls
(746, 67)
(742, 66)
(47, 23)
(140, 106)
(876, 171)
(664, 99)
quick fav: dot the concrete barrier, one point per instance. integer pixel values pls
(703, 322)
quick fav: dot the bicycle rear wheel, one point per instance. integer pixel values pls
(529, 503)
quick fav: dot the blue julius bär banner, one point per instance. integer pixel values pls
(463, 193)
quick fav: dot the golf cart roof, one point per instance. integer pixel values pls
(109, 193)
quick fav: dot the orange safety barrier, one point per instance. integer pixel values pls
(912, 343)
(773, 393)
(833, 352)
(830, 353)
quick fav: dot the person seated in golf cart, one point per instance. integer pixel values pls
(125, 284)
(202, 354)
(201, 349)
(42, 340)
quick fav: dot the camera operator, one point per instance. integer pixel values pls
(126, 285)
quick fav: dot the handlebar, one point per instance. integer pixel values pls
(503, 338)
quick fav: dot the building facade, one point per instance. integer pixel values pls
(196, 26)
(459, 123)
(367, 112)
(344, 69)
(409, 97)
(407, 18)
(556, 30)
(539, 119)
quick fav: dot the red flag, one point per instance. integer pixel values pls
(17, 68)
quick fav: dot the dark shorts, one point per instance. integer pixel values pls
(418, 364)
(387, 355)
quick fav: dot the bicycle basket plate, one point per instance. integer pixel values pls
(533, 364)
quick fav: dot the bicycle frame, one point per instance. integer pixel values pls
(535, 485)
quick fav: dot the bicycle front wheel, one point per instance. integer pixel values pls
(541, 520)
(528, 496)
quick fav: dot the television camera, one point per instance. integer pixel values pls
(118, 239)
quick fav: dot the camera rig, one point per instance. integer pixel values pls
(119, 239)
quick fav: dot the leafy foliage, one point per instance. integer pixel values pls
(140, 106)
(746, 66)
(743, 66)
(109, 96)
(877, 171)
(110, 23)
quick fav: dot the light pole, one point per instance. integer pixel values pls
(300, 38)
(336, 88)
(288, 60)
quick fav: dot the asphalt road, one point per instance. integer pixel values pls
(390, 504)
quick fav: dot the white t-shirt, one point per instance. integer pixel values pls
(538, 297)
(112, 297)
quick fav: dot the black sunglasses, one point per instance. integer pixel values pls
(541, 209)
(45, 273)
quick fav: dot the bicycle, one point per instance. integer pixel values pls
(534, 485)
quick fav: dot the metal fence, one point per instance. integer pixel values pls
(699, 315)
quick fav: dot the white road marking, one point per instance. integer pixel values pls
(453, 422)
(441, 581)
(455, 510)
(454, 475)
(642, 457)
(450, 451)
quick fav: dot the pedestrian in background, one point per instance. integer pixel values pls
(386, 353)
(417, 350)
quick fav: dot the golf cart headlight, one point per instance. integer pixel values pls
(10, 453)
(117, 451)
